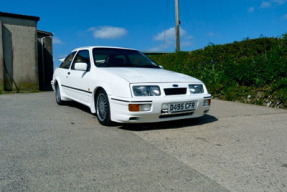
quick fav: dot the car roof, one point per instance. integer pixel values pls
(92, 47)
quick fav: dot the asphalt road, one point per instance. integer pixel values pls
(46, 147)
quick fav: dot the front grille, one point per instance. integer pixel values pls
(175, 91)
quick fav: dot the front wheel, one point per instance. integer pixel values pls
(103, 108)
(58, 95)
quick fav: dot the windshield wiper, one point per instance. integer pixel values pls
(149, 66)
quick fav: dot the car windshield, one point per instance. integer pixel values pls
(112, 57)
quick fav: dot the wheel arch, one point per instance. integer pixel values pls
(95, 92)
(58, 83)
(104, 115)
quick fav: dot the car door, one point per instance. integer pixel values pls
(63, 72)
(78, 82)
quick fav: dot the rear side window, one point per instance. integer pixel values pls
(66, 64)
(82, 57)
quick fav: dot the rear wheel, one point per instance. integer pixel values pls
(58, 95)
(103, 108)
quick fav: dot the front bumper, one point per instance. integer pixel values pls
(120, 109)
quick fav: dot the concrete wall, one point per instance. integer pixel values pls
(19, 40)
(1, 61)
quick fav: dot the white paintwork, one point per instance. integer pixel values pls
(81, 86)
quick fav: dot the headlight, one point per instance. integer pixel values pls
(196, 88)
(146, 90)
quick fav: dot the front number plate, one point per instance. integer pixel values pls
(179, 107)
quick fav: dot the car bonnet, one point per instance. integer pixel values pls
(150, 75)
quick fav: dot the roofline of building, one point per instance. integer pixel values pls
(19, 16)
(46, 33)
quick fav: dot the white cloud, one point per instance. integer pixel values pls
(57, 40)
(251, 9)
(189, 37)
(163, 47)
(154, 49)
(284, 17)
(280, 2)
(159, 48)
(108, 32)
(211, 34)
(168, 39)
(266, 4)
(61, 56)
(168, 34)
(185, 43)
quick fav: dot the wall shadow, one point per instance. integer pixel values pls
(8, 58)
(45, 63)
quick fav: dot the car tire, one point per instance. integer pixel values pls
(58, 95)
(103, 108)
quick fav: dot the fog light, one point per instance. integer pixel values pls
(145, 107)
(134, 107)
(206, 102)
(139, 107)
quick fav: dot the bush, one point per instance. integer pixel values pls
(250, 66)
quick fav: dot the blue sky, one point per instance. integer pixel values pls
(148, 25)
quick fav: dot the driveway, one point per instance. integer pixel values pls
(46, 147)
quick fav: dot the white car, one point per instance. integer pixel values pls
(123, 85)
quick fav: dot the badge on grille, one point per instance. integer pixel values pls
(175, 85)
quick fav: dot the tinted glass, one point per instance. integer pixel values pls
(82, 57)
(110, 57)
(67, 62)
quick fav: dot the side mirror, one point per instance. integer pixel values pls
(81, 66)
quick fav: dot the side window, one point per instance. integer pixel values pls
(66, 64)
(82, 57)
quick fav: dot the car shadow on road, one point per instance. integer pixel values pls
(170, 124)
(77, 105)
(206, 119)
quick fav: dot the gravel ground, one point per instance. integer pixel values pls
(46, 147)
(244, 149)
